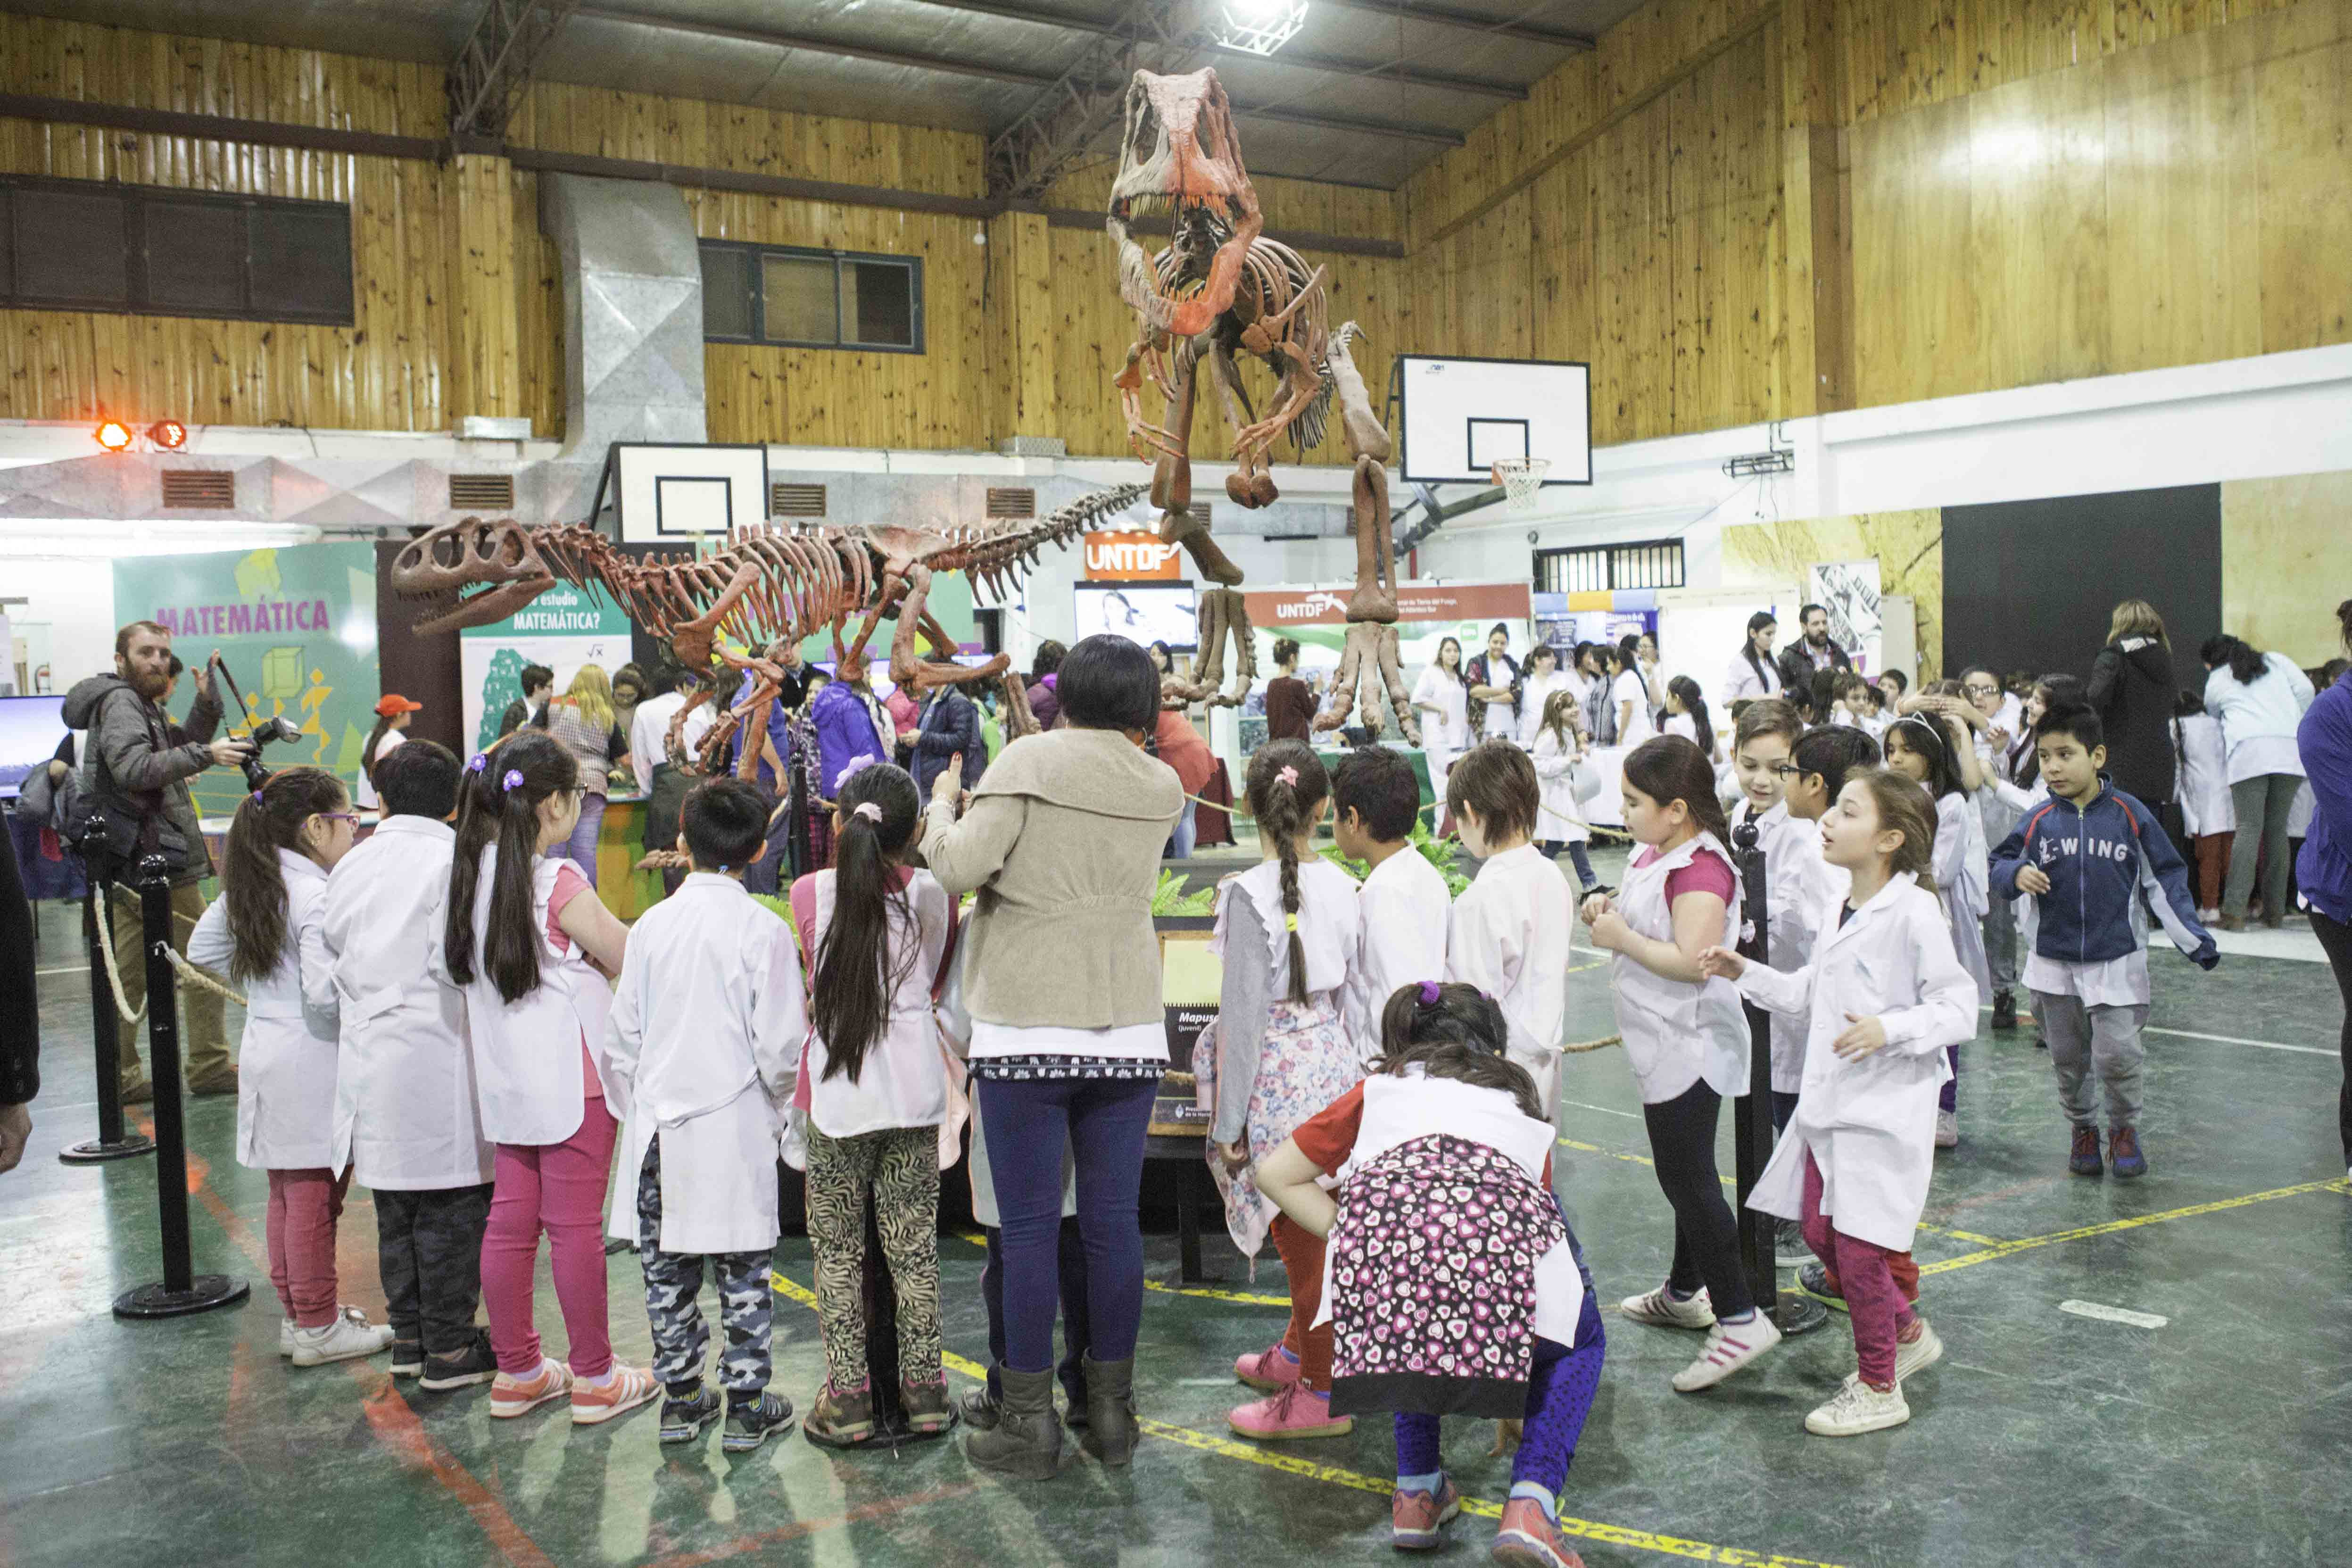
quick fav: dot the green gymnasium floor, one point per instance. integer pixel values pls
(2045, 1436)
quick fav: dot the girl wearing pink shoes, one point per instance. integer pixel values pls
(1884, 996)
(533, 949)
(1291, 933)
(263, 932)
(1455, 1285)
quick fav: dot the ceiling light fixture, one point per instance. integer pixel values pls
(168, 434)
(1259, 26)
(112, 435)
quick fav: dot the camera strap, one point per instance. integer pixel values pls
(221, 669)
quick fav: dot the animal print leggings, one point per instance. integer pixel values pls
(901, 1165)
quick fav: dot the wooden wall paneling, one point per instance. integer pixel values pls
(2039, 213)
(485, 353)
(2303, 172)
(1916, 320)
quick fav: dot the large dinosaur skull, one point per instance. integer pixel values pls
(496, 560)
(1179, 157)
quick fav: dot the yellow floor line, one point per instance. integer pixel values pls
(2108, 1228)
(1333, 1475)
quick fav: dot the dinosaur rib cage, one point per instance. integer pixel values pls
(1273, 275)
(811, 578)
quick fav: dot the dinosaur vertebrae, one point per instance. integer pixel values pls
(811, 578)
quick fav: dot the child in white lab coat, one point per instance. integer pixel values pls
(263, 933)
(1511, 930)
(1567, 781)
(877, 936)
(1685, 1039)
(406, 1124)
(1290, 934)
(1375, 799)
(706, 1021)
(1936, 753)
(2208, 813)
(527, 939)
(1885, 994)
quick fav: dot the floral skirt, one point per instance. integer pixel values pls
(1308, 1061)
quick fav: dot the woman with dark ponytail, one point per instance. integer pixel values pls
(877, 936)
(2259, 699)
(533, 948)
(1291, 933)
(265, 933)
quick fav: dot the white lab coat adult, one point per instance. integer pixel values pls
(526, 1053)
(407, 1114)
(1677, 1033)
(1629, 698)
(1446, 733)
(706, 1024)
(1536, 695)
(285, 1066)
(1741, 678)
(903, 1080)
(2259, 721)
(1794, 878)
(1869, 1124)
(1566, 781)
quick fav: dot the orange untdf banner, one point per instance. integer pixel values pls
(1415, 601)
(1132, 557)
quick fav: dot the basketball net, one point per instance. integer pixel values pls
(1521, 479)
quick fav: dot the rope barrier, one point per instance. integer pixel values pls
(1581, 1047)
(105, 922)
(205, 977)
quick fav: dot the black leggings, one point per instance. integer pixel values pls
(2336, 937)
(1707, 1238)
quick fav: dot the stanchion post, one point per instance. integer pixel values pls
(105, 1038)
(1752, 1126)
(182, 1290)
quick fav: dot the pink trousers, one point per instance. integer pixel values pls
(300, 1230)
(1866, 1272)
(558, 1188)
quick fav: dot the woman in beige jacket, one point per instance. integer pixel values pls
(1062, 840)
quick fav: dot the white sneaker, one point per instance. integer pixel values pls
(286, 1337)
(1659, 1307)
(1858, 1408)
(346, 1339)
(1919, 1354)
(1729, 1347)
(1947, 1130)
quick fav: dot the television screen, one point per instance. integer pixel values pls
(1141, 612)
(30, 728)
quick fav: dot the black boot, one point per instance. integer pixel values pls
(1027, 1442)
(2004, 1010)
(1110, 1411)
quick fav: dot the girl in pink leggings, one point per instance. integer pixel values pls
(533, 947)
(1882, 997)
(264, 933)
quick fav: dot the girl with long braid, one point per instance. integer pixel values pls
(1289, 932)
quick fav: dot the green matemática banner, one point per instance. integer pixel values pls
(295, 626)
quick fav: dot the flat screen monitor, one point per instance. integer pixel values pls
(1143, 612)
(30, 728)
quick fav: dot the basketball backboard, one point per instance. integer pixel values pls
(666, 493)
(1463, 415)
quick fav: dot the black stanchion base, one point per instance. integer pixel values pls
(205, 1292)
(98, 1151)
(1798, 1313)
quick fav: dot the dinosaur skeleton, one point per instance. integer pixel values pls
(1218, 291)
(767, 585)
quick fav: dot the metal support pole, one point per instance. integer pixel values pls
(1792, 1313)
(182, 1290)
(105, 1040)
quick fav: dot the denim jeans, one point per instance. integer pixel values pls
(581, 846)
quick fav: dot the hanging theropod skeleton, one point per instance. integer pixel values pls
(766, 584)
(1219, 293)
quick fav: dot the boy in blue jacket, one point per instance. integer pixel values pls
(2083, 855)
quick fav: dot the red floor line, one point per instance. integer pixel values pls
(882, 1510)
(394, 1423)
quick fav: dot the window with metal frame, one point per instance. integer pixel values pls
(811, 299)
(1598, 568)
(145, 250)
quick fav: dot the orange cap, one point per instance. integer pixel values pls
(392, 703)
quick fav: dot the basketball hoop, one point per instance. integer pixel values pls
(1521, 479)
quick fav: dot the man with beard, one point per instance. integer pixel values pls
(136, 773)
(1811, 652)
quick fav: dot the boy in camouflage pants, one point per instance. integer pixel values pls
(681, 1336)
